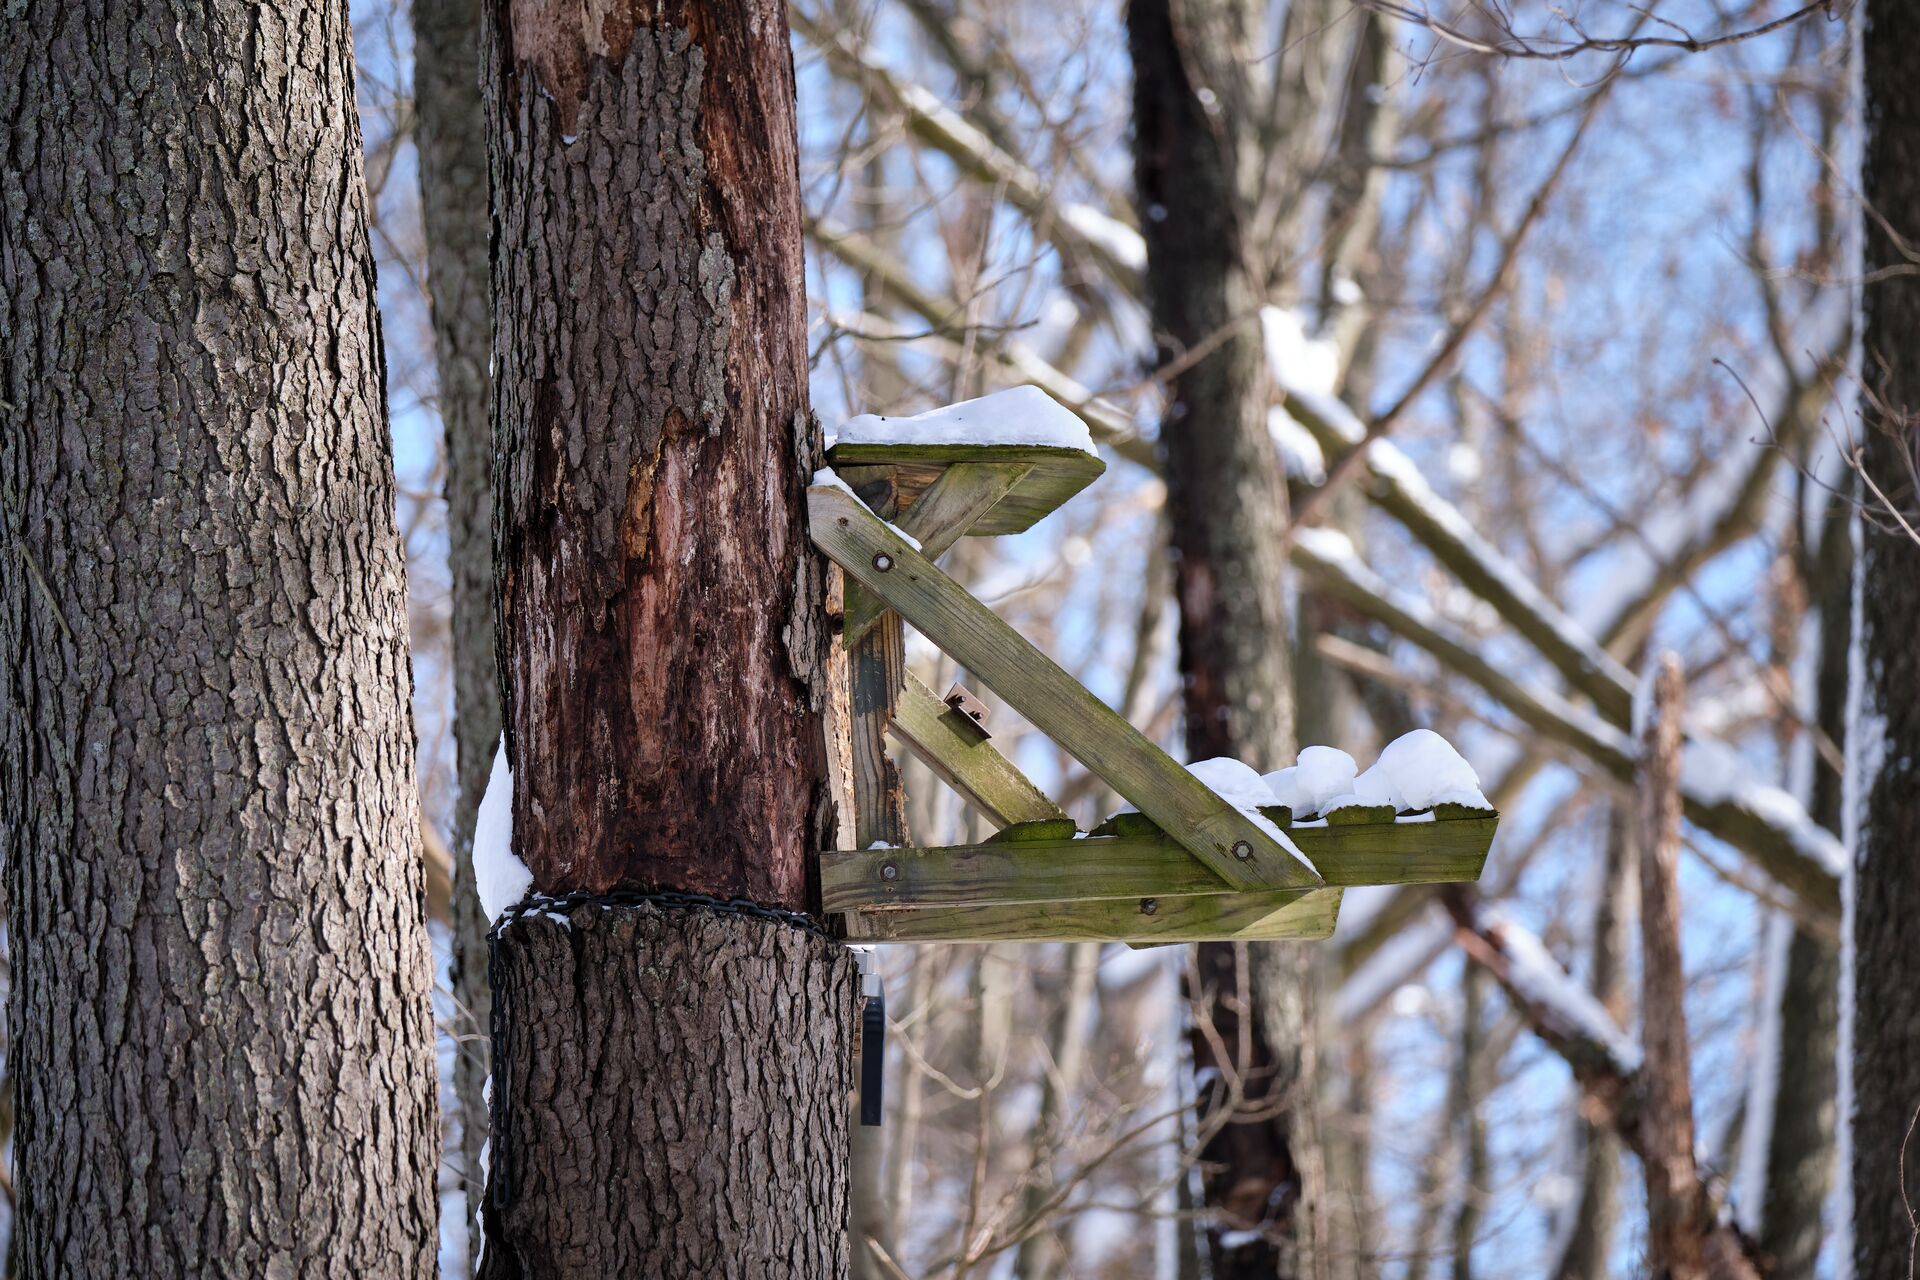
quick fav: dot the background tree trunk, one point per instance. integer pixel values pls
(1799, 1166)
(1673, 1235)
(1588, 1247)
(1886, 756)
(663, 641)
(222, 1040)
(450, 132)
(1227, 510)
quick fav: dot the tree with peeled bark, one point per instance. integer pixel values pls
(1227, 507)
(1883, 743)
(670, 1075)
(221, 1039)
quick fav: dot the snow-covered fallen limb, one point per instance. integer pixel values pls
(1079, 231)
(1765, 823)
(1606, 1062)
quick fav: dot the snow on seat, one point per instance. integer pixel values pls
(1023, 426)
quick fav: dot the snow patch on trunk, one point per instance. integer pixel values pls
(498, 874)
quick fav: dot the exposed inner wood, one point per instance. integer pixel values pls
(662, 627)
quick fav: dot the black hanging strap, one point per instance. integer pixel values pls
(873, 1041)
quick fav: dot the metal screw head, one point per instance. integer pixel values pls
(889, 872)
(882, 561)
(1149, 905)
(1242, 850)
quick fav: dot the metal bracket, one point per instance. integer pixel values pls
(970, 708)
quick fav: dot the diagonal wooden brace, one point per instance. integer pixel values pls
(941, 516)
(1236, 846)
(984, 778)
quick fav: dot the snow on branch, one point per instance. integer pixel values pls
(1722, 796)
(1560, 1010)
(1609, 1066)
(1395, 485)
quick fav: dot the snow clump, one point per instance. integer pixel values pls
(498, 875)
(1022, 415)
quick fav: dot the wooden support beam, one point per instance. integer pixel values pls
(876, 668)
(1246, 917)
(1054, 475)
(965, 761)
(1144, 865)
(938, 518)
(1238, 847)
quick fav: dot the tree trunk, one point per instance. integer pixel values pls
(1227, 511)
(450, 132)
(671, 1095)
(1046, 1254)
(1799, 1164)
(1673, 1243)
(1473, 1068)
(1884, 748)
(662, 635)
(1686, 1239)
(1587, 1248)
(222, 1041)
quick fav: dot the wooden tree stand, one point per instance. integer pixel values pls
(1188, 867)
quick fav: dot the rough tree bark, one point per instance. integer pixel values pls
(1227, 512)
(222, 1040)
(1885, 757)
(662, 638)
(450, 133)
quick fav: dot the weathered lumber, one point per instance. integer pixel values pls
(939, 517)
(1251, 917)
(1142, 864)
(1054, 474)
(1236, 845)
(964, 761)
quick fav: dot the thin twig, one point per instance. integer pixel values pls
(1350, 463)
